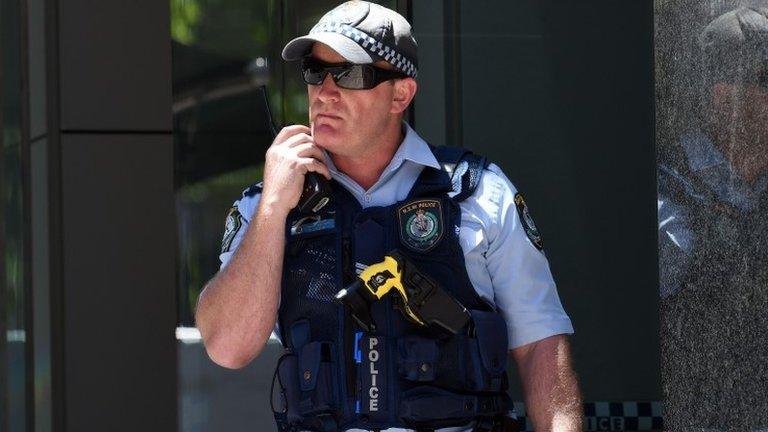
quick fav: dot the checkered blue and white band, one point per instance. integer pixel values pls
(364, 40)
(609, 416)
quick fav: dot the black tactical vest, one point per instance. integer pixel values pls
(333, 375)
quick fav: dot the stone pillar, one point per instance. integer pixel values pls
(712, 147)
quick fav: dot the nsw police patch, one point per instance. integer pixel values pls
(421, 224)
(527, 221)
(232, 225)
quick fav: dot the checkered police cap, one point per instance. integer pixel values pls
(362, 32)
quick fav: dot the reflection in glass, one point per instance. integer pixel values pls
(13, 387)
(713, 211)
(221, 52)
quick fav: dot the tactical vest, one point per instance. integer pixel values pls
(333, 375)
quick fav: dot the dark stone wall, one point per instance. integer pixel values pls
(712, 150)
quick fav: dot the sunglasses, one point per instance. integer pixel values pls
(346, 75)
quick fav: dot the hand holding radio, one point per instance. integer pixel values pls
(290, 162)
(293, 148)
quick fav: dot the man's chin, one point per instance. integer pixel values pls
(331, 147)
(328, 141)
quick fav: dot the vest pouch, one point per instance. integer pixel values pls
(417, 358)
(486, 353)
(441, 363)
(317, 387)
(285, 391)
(475, 362)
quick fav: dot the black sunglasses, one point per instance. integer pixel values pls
(346, 75)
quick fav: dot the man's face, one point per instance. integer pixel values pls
(739, 117)
(347, 122)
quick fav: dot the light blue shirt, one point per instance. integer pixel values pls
(505, 268)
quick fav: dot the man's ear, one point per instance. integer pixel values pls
(405, 90)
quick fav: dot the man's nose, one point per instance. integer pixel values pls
(329, 91)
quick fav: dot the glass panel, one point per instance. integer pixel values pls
(223, 51)
(221, 56)
(12, 223)
(712, 139)
(546, 90)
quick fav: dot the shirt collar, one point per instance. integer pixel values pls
(414, 149)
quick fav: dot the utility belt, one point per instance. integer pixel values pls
(411, 381)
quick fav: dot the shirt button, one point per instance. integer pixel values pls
(367, 197)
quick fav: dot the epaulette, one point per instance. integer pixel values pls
(254, 189)
(464, 167)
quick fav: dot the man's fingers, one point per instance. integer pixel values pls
(289, 131)
(314, 165)
(297, 139)
(310, 150)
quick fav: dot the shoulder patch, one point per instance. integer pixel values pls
(232, 226)
(525, 218)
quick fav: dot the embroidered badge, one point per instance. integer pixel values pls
(421, 224)
(232, 225)
(525, 217)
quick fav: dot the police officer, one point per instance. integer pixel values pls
(454, 215)
(713, 232)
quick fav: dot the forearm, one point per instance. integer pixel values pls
(237, 310)
(552, 396)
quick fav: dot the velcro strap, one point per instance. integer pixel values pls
(309, 365)
(470, 177)
(424, 404)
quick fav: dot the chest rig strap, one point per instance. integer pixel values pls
(460, 174)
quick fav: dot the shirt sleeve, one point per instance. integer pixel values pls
(246, 208)
(523, 287)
